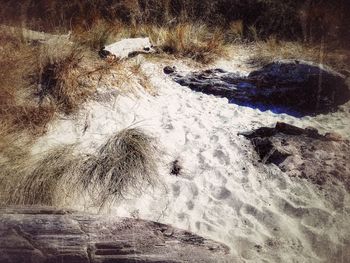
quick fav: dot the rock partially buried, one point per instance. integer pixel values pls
(48, 235)
(304, 153)
(296, 86)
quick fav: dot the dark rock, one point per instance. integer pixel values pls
(47, 235)
(169, 70)
(104, 53)
(295, 86)
(304, 153)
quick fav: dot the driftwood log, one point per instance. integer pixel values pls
(48, 235)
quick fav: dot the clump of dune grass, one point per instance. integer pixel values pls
(97, 35)
(192, 41)
(31, 118)
(42, 75)
(197, 42)
(46, 181)
(18, 62)
(59, 82)
(126, 163)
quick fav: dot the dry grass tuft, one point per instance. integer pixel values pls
(126, 164)
(43, 74)
(98, 35)
(197, 42)
(18, 62)
(128, 161)
(59, 82)
(264, 52)
(193, 41)
(45, 181)
(31, 118)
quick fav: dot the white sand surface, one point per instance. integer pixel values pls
(259, 212)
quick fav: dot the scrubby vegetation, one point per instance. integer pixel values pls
(46, 181)
(38, 80)
(126, 163)
(284, 19)
(263, 52)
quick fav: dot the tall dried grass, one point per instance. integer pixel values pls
(127, 163)
(193, 41)
(41, 75)
(18, 63)
(263, 52)
(59, 81)
(285, 19)
(185, 40)
(45, 181)
(97, 35)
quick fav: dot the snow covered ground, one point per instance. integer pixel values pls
(260, 213)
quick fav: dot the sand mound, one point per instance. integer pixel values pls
(220, 192)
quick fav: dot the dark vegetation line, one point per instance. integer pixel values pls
(309, 20)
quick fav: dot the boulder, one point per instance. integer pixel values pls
(291, 86)
(303, 153)
(49, 235)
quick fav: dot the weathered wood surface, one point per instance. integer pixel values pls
(48, 235)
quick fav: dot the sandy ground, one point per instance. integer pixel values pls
(259, 212)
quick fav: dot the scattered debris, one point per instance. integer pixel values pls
(176, 168)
